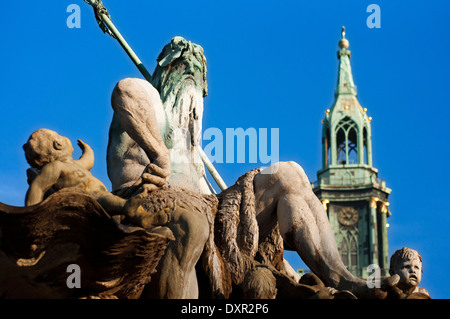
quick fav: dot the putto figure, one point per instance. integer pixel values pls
(407, 264)
(51, 155)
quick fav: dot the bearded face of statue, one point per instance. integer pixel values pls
(186, 69)
(182, 87)
(183, 58)
(182, 93)
(180, 78)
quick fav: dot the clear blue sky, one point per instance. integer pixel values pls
(271, 64)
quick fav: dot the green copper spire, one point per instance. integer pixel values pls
(346, 130)
(355, 199)
(345, 83)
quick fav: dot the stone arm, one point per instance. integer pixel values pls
(43, 182)
(87, 158)
(138, 107)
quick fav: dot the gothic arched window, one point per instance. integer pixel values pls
(348, 249)
(347, 141)
(327, 146)
(365, 141)
(344, 251)
(353, 252)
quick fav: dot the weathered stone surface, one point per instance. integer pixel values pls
(265, 282)
(141, 141)
(38, 242)
(406, 267)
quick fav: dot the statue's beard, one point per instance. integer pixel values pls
(183, 102)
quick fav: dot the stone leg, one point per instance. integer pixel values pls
(286, 195)
(176, 277)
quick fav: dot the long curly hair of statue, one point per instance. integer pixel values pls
(180, 78)
(173, 51)
(45, 146)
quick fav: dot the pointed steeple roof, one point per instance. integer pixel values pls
(345, 84)
(345, 113)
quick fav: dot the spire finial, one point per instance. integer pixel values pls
(343, 44)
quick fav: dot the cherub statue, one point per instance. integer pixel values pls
(407, 264)
(51, 155)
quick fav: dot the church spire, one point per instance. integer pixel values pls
(345, 83)
(346, 130)
(355, 199)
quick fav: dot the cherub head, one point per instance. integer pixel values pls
(407, 263)
(45, 146)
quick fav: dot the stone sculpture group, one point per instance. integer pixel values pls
(162, 232)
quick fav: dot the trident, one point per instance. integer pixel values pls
(104, 22)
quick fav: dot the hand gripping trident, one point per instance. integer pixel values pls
(104, 21)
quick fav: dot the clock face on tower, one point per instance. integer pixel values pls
(348, 216)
